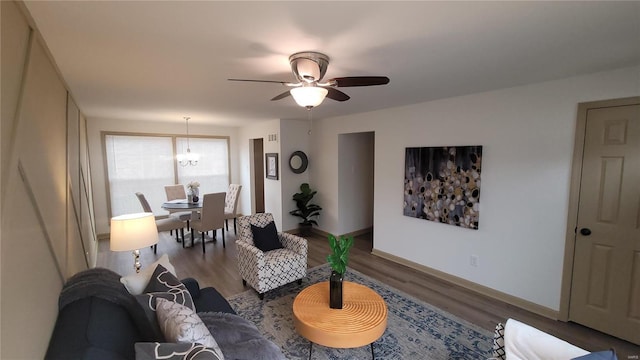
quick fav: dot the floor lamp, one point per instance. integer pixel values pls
(131, 232)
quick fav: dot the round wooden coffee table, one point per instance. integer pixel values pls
(361, 321)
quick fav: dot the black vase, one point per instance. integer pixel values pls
(335, 290)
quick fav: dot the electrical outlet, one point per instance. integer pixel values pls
(473, 260)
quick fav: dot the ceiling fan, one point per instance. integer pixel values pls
(309, 68)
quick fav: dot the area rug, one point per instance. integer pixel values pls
(415, 329)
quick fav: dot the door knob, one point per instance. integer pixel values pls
(585, 231)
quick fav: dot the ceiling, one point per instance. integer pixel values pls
(162, 60)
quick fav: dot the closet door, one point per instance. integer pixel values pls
(605, 292)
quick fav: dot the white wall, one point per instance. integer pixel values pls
(96, 125)
(294, 137)
(272, 190)
(46, 218)
(527, 135)
(34, 230)
(291, 135)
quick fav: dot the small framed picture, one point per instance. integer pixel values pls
(271, 160)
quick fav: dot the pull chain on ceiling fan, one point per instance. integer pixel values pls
(309, 68)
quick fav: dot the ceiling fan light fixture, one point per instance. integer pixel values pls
(309, 91)
(308, 70)
(309, 66)
(309, 96)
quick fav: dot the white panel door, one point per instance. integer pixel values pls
(605, 293)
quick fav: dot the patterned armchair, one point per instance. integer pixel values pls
(265, 271)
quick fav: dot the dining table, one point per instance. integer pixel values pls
(182, 205)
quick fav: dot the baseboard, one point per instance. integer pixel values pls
(359, 232)
(296, 231)
(480, 289)
(319, 232)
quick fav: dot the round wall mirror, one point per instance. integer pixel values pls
(298, 162)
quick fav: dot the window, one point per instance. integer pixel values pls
(212, 170)
(146, 163)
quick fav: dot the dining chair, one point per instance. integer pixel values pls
(176, 192)
(231, 205)
(167, 224)
(211, 217)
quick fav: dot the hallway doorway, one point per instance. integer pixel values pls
(356, 158)
(257, 175)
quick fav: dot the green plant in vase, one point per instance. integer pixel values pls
(338, 260)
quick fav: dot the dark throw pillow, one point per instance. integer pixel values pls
(163, 284)
(266, 238)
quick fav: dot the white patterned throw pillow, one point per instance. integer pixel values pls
(181, 324)
(174, 351)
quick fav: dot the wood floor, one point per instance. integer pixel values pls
(217, 268)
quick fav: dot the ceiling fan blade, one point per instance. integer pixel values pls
(337, 94)
(281, 96)
(359, 81)
(263, 81)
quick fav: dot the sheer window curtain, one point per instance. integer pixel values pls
(137, 163)
(212, 171)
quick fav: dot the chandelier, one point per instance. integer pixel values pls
(188, 158)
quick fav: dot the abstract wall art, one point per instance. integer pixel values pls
(443, 184)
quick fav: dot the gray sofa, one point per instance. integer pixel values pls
(98, 319)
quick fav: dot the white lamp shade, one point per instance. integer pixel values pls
(309, 96)
(133, 231)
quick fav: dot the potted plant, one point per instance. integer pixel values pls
(305, 210)
(338, 260)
